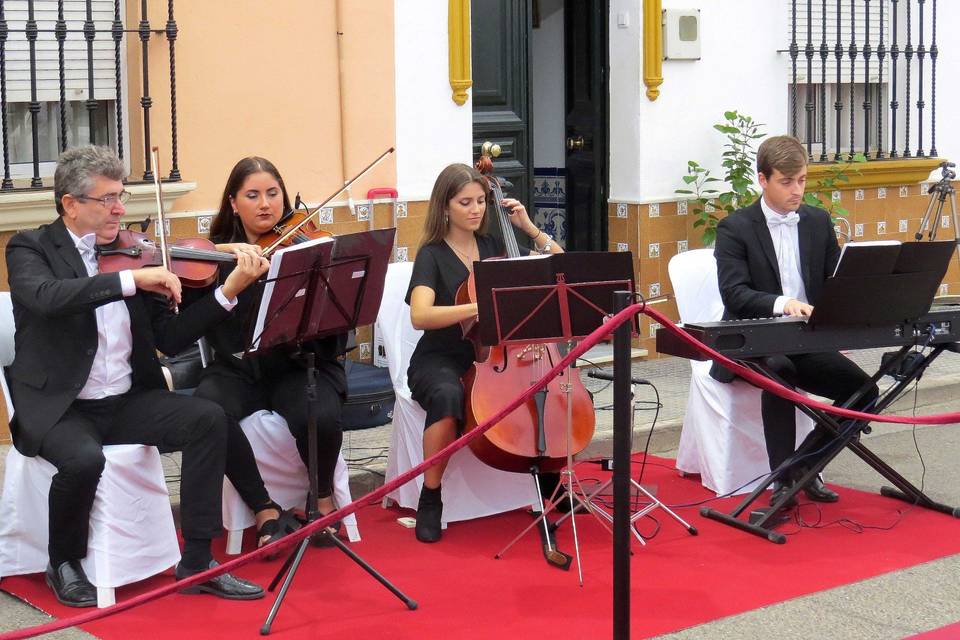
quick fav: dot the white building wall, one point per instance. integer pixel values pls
(739, 69)
(432, 130)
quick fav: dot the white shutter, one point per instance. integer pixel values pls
(47, 56)
(858, 17)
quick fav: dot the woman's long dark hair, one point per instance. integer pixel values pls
(449, 183)
(226, 226)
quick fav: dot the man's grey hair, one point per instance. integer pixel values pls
(77, 169)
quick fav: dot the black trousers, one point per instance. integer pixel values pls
(284, 393)
(830, 375)
(169, 421)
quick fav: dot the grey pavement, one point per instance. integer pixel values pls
(893, 605)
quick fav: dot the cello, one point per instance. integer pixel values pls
(534, 436)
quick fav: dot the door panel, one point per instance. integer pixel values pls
(586, 123)
(501, 31)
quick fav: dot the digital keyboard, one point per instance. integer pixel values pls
(739, 339)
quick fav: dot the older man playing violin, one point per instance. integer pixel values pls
(86, 374)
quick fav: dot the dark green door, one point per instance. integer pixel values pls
(501, 32)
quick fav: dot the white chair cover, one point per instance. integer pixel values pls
(132, 535)
(722, 436)
(471, 489)
(284, 475)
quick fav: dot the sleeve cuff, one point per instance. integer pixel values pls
(228, 305)
(127, 285)
(779, 304)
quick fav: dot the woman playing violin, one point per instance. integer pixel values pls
(253, 201)
(454, 238)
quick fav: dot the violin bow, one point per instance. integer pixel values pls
(346, 185)
(161, 217)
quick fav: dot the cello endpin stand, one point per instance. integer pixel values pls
(575, 497)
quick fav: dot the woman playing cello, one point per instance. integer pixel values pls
(454, 237)
(253, 201)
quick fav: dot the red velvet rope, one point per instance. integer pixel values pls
(377, 495)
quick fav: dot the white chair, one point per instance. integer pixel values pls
(471, 489)
(132, 535)
(284, 475)
(722, 436)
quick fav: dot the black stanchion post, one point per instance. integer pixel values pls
(621, 470)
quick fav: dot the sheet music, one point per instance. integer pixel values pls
(863, 243)
(270, 286)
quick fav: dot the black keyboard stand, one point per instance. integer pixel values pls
(846, 434)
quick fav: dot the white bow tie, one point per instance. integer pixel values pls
(792, 219)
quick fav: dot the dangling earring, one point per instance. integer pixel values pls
(235, 212)
(446, 220)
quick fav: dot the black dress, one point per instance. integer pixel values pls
(442, 356)
(276, 381)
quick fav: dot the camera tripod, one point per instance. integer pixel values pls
(939, 192)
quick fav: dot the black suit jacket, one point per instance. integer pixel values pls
(747, 269)
(54, 303)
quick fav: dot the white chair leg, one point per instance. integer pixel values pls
(234, 541)
(106, 597)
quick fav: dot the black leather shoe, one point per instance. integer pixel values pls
(429, 515)
(818, 492)
(70, 584)
(780, 489)
(225, 585)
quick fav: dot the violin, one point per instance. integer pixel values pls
(193, 260)
(294, 227)
(534, 434)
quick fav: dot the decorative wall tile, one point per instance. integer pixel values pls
(621, 209)
(858, 194)
(653, 329)
(858, 230)
(654, 210)
(835, 196)
(400, 255)
(654, 289)
(881, 193)
(681, 246)
(902, 226)
(363, 212)
(682, 208)
(945, 222)
(326, 215)
(203, 224)
(881, 228)
(904, 191)
(623, 246)
(401, 210)
(653, 250)
(944, 289)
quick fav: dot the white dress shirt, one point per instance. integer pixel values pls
(111, 373)
(786, 244)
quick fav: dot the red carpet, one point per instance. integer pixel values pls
(949, 632)
(678, 580)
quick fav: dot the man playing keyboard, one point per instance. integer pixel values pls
(772, 259)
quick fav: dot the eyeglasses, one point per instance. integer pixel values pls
(108, 200)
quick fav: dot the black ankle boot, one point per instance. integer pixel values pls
(429, 513)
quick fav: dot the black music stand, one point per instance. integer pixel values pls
(324, 288)
(882, 286)
(557, 298)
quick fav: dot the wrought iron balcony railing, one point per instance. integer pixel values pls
(30, 30)
(864, 55)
